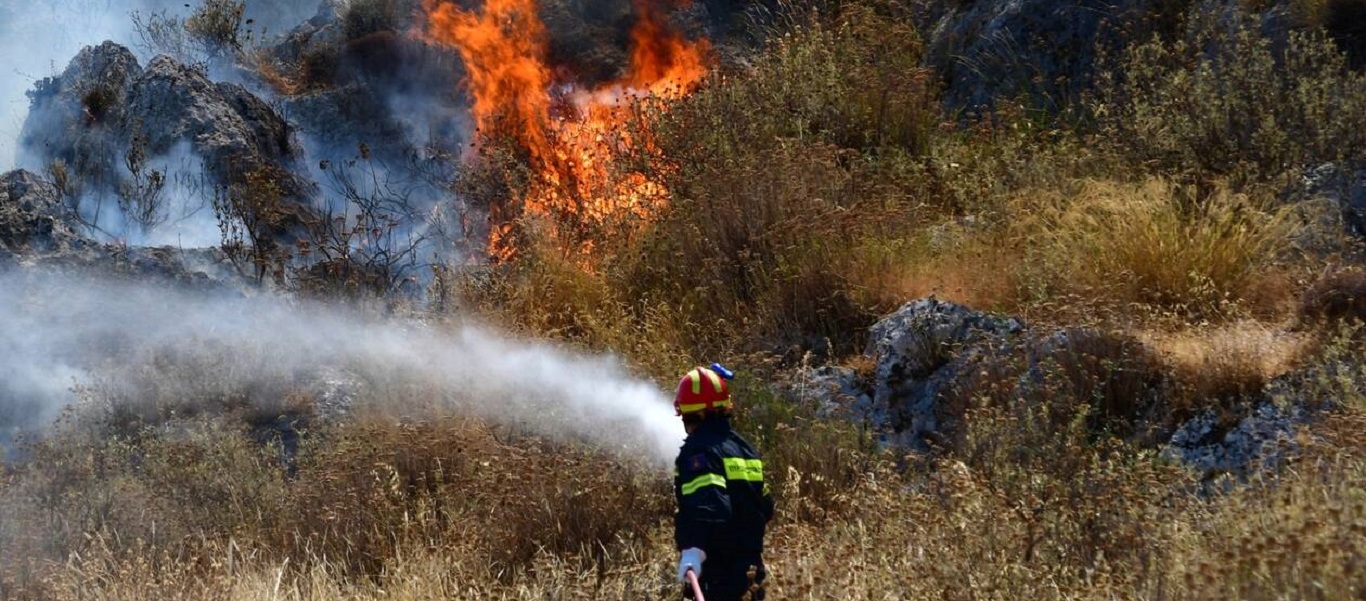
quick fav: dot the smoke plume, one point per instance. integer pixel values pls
(58, 328)
(38, 38)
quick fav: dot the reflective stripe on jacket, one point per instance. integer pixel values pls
(723, 501)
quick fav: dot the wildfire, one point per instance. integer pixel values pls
(571, 133)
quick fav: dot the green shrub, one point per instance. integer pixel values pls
(1228, 102)
(774, 174)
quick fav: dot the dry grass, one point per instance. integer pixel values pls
(1225, 366)
(1152, 244)
(812, 193)
(951, 261)
(1041, 499)
(1106, 527)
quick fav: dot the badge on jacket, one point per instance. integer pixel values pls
(697, 463)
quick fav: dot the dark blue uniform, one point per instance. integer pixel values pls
(723, 507)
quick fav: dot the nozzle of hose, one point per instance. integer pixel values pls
(722, 371)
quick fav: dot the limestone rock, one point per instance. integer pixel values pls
(105, 113)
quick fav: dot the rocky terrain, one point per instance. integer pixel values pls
(365, 89)
(1047, 299)
(930, 354)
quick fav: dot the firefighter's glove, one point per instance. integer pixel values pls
(691, 560)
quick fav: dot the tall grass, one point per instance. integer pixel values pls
(811, 192)
(1036, 506)
(1153, 243)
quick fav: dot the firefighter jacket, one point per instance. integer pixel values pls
(723, 502)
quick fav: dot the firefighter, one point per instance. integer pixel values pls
(723, 502)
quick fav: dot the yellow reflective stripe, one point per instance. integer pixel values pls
(749, 470)
(715, 379)
(695, 377)
(702, 481)
(689, 408)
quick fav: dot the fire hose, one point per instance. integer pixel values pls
(696, 588)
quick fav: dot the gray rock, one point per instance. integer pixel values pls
(323, 31)
(105, 109)
(930, 357)
(838, 392)
(235, 132)
(1260, 441)
(33, 218)
(1345, 187)
(87, 94)
(366, 117)
(920, 350)
(38, 232)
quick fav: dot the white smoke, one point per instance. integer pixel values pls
(39, 38)
(56, 327)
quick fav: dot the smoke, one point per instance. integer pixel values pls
(38, 38)
(61, 331)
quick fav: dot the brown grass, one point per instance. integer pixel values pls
(1042, 498)
(1225, 366)
(812, 193)
(1106, 526)
(1152, 244)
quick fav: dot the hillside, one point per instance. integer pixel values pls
(386, 299)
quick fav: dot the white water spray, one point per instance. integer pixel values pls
(54, 327)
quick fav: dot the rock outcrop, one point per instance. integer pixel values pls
(368, 83)
(33, 219)
(928, 354)
(38, 232)
(1261, 440)
(920, 350)
(105, 115)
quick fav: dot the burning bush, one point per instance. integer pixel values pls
(774, 175)
(569, 134)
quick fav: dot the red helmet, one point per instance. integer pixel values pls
(701, 390)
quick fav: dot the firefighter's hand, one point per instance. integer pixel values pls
(691, 560)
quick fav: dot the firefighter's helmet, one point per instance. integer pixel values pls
(703, 389)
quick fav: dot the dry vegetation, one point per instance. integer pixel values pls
(813, 193)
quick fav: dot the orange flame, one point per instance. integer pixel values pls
(504, 49)
(662, 61)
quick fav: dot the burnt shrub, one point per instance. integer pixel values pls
(1339, 296)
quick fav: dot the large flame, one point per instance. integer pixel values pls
(571, 133)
